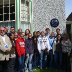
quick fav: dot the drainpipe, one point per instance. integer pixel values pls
(17, 14)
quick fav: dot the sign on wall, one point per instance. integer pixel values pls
(54, 22)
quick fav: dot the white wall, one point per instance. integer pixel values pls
(45, 10)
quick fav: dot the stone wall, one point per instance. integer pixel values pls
(45, 10)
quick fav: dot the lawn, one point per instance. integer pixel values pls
(47, 70)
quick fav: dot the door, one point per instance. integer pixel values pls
(68, 28)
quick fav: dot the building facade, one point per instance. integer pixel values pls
(45, 10)
(32, 14)
(15, 13)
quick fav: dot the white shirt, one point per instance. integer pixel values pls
(43, 43)
(39, 41)
(3, 38)
(48, 35)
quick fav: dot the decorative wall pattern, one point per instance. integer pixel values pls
(24, 10)
(45, 10)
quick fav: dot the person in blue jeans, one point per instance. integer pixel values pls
(21, 63)
(43, 48)
(29, 53)
(20, 49)
(51, 42)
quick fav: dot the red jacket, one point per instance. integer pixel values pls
(20, 46)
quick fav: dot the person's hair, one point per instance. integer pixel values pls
(60, 38)
(47, 29)
(58, 29)
(10, 34)
(34, 33)
(19, 29)
(38, 31)
(26, 30)
(52, 33)
(42, 32)
(65, 36)
(12, 27)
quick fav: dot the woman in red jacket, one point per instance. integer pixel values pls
(20, 49)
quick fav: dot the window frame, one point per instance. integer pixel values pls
(27, 12)
(7, 13)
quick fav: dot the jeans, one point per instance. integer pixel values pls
(58, 59)
(36, 60)
(28, 62)
(51, 58)
(43, 59)
(21, 63)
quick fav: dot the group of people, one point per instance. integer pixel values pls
(23, 51)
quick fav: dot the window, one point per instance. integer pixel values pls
(1, 13)
(12, 12)
(7, 10)
(24, 11)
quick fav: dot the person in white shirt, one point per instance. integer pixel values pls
(5, 47)
(43, 48)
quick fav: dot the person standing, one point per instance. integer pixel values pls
(15, 38)
(29, 53)
(51, 42)
(38, 43)
(43, 48)
(5, 48)
(36, 53)
(66, 50)
(11, 63)
(21, 51)
(58, 52)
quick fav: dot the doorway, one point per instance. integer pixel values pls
(68, 28)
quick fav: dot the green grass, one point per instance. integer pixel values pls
(47, 70)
